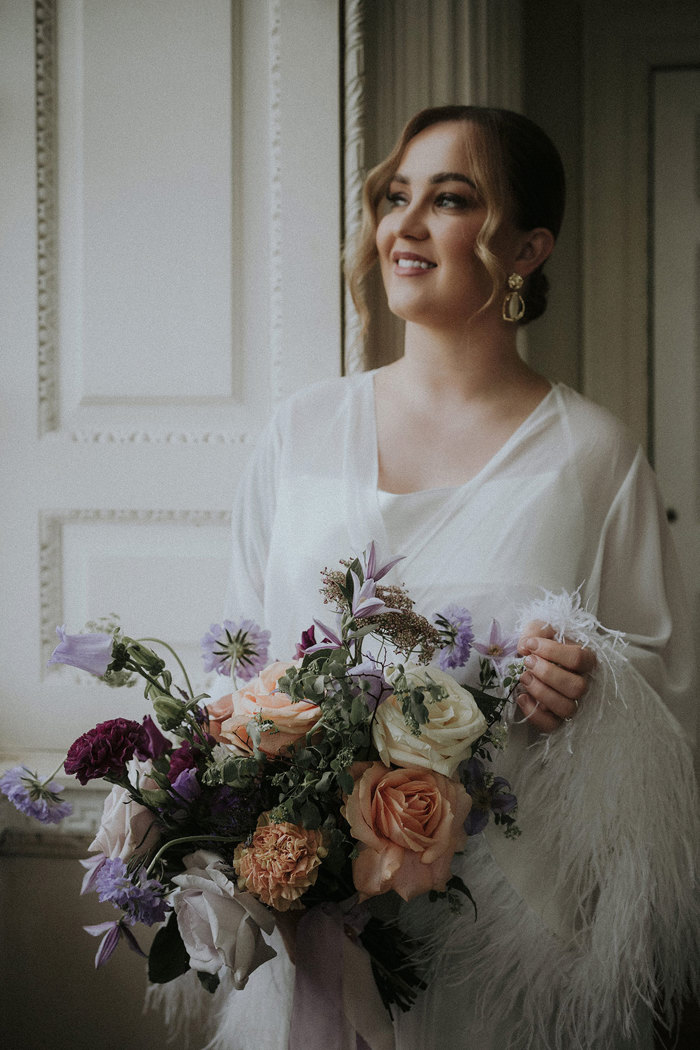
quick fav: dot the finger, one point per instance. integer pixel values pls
(567, 654)
(569, 684)
(538, 717)
(549, 699)
(531, 632)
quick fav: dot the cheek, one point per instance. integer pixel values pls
(384, 237)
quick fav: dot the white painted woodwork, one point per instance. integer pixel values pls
(170, 244)
(676, 311)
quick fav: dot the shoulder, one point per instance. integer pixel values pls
(593, 434)
(324, 404)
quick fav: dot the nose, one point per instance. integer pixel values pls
(411, 222)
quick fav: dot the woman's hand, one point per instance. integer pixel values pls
(555, 677)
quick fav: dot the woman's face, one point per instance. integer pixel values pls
(428, 233)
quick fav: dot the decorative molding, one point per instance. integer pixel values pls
(354, 169)
(128, 436)
(51, 526)
(46, 195)
(276, 316)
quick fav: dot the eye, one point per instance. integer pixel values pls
(396, 198)
(453, 201)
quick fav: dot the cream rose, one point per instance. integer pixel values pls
(445, 739)
(220, 926)
(259, 699)
(409, 824)
(127, 827)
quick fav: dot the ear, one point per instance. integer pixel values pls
(535, 247)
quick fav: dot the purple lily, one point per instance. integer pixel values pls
(113, 932)
(499, 646)
(89, 652)
(92, 866)
(365, 601)
(374, 571)
(331, 639)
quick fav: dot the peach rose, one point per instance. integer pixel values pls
(409, 824)
(218, 713)
(259, 699)
(280, 863)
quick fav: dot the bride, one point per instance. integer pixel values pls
(504, 492)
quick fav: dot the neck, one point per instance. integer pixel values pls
(478, 362)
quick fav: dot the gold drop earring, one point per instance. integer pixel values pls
(513, 304)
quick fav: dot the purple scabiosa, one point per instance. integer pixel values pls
(489, 794)
(140, 898)
(499, 646)
(235, 648)
(89, 652)
(37, 798)
(113, 933)
(455, 627)
(105, 750)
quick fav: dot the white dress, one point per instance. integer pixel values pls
(594, 902)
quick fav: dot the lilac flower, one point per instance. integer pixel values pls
(455, 626)
(89, 652)
(373, 571)
(186, 786)
(241, 648)
(499, 646)
(370, 675)
(489, 794)
(38, 799)
(141, 898)
(364, 599)
(113, 932)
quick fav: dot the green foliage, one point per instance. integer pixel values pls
(168, 956)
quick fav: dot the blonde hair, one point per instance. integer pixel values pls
(519, 178)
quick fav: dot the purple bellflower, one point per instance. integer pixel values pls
(113, 933)
(489, 795)
(89, 652)
(241, 647)
(499, 646)
(37, 798)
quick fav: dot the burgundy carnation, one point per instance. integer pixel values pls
(105, 750)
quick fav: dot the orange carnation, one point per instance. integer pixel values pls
(280, 863)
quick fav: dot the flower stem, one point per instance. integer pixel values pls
(159, 641)
(185, 838)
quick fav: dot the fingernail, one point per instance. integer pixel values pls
(529, 661)
(531, 643)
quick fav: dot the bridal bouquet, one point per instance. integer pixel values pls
(344, 778)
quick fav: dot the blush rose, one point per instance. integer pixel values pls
(445, 739)
(220, 926)
(409, 823)
(280, 863)
(259, 699)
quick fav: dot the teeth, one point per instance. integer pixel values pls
(414, 264)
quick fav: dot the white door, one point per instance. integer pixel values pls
(676, 311)
(170, 249)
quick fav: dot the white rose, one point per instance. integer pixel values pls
(126, 827)
(219, 924)
(445, 739)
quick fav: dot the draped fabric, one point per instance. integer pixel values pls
(578, 929)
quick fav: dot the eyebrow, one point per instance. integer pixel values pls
(442, 176)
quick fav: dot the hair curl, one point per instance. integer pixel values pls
(519, 176)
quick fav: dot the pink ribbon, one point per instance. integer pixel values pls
(318, 1017)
